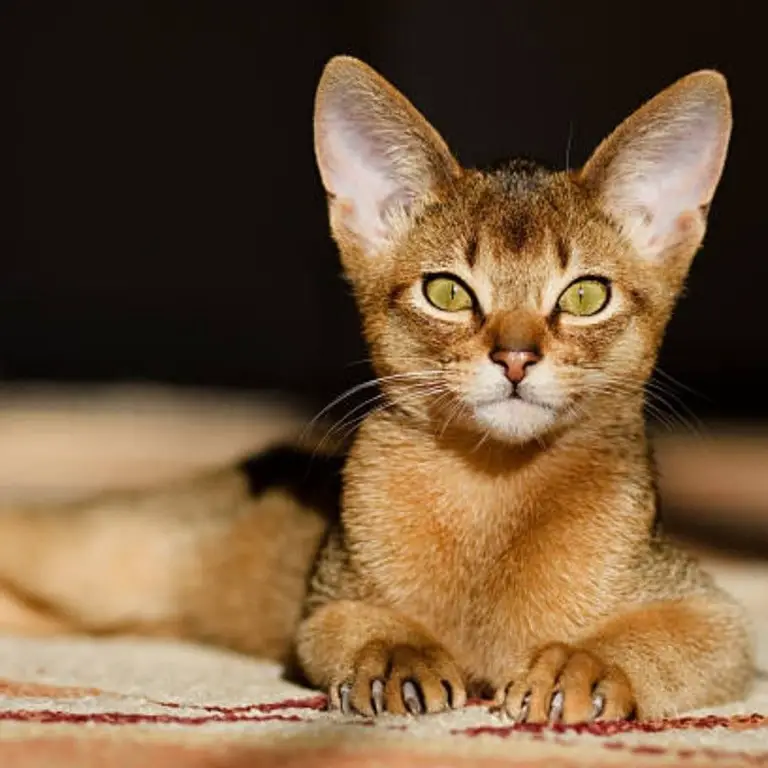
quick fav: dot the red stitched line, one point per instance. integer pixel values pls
(317, 703)
(612, 728)
(126, 718)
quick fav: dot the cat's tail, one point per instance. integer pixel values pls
(114, 563)
(193, 553)
(223, 557)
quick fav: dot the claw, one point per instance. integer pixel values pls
(344, 692)
(556, 706)
(377, 696)
(448, 688)
(411, 698)
(598, 704)
(525, 708)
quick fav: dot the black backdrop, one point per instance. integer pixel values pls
(164, 219)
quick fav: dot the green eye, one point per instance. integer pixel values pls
(447, 294)
(584, 298)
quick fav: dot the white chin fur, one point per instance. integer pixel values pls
(515, 420)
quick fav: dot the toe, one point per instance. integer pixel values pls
(393, 697)
(416, 683)
(517, 701)
(541, 681)
(434, 693)
(540, 702)
(449, 690)
(370, 669)
(618, 699)
(577, 681)
(455, 693)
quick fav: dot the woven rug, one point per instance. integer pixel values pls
(130, 702)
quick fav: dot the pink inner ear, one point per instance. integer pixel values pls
(659, 169)
(360, 169)
(356, 176)
(682, 226)
(660, 180)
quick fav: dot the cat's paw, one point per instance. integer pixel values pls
(567, 684)
(400, 679)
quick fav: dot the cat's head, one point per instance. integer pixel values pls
(514, 301)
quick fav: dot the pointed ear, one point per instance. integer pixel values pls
(656, 174)
(377, 155)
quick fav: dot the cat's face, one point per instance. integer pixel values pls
(514, 260)
(514, 302)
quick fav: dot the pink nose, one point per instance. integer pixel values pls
(515, 361)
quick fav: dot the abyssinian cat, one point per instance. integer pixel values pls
(492, 527)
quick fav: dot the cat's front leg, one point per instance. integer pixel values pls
(660, 659)
(372, 660)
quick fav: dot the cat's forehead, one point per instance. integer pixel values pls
(528, 215)
(521, 223)
(519, 220)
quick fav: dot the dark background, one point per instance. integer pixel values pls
(164, 220)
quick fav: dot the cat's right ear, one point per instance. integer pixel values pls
(377, 156)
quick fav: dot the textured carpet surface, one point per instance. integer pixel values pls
(130, 702)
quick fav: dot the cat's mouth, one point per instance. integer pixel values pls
(515, 416)
(515, 396)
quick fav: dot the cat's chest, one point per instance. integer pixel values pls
(491, 571)
(499, 600)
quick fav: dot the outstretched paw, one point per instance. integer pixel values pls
(566, 684)
(400, 679)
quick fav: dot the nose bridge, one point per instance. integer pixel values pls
(518, 330)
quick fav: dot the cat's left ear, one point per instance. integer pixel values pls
(377, 155)
(656, 174)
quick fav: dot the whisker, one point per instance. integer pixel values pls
(568, 144)
(355, 423)
(655, 403)
(367, 385)
(665, 390)
(672, 380)
(482, 440)
(459, 406)
(675, 414)
(410, 393)
(415, 388)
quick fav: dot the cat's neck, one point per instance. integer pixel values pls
(400, 469)
(608, 433)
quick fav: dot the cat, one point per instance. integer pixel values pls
(493, 526)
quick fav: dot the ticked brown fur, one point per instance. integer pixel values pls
(490, 536)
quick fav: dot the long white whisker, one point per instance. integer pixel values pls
(415, 389)
(367, 385)
(408, 392)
